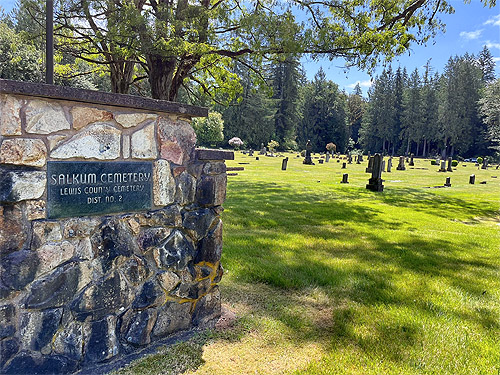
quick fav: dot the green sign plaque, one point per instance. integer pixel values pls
(77, 188)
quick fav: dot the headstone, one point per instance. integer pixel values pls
(360, 158)
(327, 157)
(485, 164)
(370, 165)
(389, 164)
(412, 163)
(263, 149)
(345, 176)
(448, 182)
(401, 165)
(256, 158)
(472, 179)
(321, 161)
(344, 165)
(449, 169)
(308, 159)
(443, 166)
(284, 163)
(349, 159)
(244, 152)
(375, 182)
(383, 165)
(250, 153)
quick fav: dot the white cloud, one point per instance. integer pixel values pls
(471, 35)
(496, 59)
(364, 84)
(495, 21)
(492, 45)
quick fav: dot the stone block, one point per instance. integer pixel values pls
(16, 186)
(166, 217)
(168, 280)
(103, 298)
(35, 209)
(19, 269)
(186, 189)
(208, 309)
(137, 326)
(149, 295)
(56, 289)
(211, 190)
(126, 146)
(136, 270)
(103, 342)
(113, 239)
(213, 168)
(79, 227)
(143, 143)
(128, 120)
(37, 328)
(50, 255)
(8, 349)
(44, 117)
(152, 237)
(210, 247)
(82, 116)
(175, 253)
(99, 141)
(13, 231)
(68, 341)
(7, 321)
(198, 222)
(55, 140)
(23, 151)
(163, 183)
(172, 317)
(44, 231)
(25, 363)
(177, 140)
(10, 118)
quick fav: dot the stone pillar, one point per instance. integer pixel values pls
(411, 163)
(485, 164)
(389, 164)
(472, 179)
(349, 159)
(370, 165)
(344, 165)
(327, 158)
(79, 289)
(375, 182)
(448, 182)
(345, 176)
(442, 166)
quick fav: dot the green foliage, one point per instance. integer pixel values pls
(209, 130)
(272, 145)
(434, 162)
(489, 108)
(454, 163)
(479, 160)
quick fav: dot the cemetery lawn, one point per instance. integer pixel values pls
(330, 278)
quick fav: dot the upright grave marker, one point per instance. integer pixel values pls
(375, 182)
(401, 165)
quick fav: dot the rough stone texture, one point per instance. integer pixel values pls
(177, 140)
(37, 329)
(103, 342)
(211, 190)
(143, 143)
(23, 151)
(35, 209)
(43, 117)
(10, 118)
(128, 120)
(13, 231)
(137, 326)
(82, 116)
(98, 141)
(51, 255)
(82, 290)
(172, 317)
(163, 183)
(16, 186)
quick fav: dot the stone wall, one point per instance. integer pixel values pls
(83, 290)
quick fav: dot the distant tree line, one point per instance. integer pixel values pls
(260, 100)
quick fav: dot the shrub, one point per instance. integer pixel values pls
(454, 163)
(303, 153)
(271, 146)
(235, 142)
(433, 162)
(209, 130)
(480, 160)
(331, 147)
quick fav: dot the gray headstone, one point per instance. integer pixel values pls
(375, 182)
(449, 169)
(345, 176)
(472, 179)
(401, 165)
(448, 182)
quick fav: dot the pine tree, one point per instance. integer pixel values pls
(412, 115)
(486, 64)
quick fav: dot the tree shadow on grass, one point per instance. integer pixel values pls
(362, 272)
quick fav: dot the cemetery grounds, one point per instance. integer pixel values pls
(330, 278)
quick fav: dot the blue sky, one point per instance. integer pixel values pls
(471, 27)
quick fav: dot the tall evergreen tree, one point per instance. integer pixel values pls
(486, 64)
(412, 117)
(356, 107)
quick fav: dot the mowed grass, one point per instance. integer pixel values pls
(330, 278)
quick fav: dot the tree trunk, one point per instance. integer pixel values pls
(408, 147)
(161, 72)
(418, 147)
(121, 76)
(424, 151)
